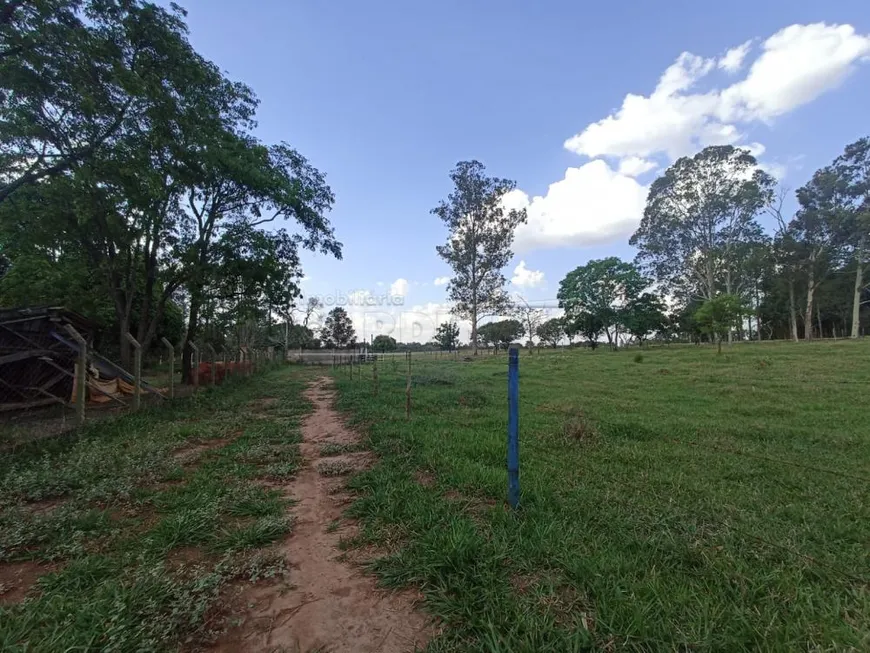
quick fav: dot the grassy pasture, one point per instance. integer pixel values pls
(675, 500)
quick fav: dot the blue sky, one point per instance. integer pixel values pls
(385, 97)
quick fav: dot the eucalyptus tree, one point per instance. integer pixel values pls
(478, 247)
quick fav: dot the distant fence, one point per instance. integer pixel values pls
(52, 380)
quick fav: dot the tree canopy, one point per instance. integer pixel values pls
(447, 336)
(478, 247)
(133, 182)
(337, 331)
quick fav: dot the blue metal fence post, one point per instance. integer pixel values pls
(513, 448)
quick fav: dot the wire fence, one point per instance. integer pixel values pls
(53, 380)
(413, 366)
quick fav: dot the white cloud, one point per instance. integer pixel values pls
(634, 166)
(525, 278)
(592, 204)
(399, 288)
(797, 64)
(441, 281)
(601, 200)
(732, 61)
(774, 169)
(406, 324)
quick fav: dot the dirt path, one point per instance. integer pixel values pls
(330, 605)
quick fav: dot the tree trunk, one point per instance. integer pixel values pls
(718, 344)
(474, 326)
(819, 318)
(757, 314)
(187, 352)
(792, 310)
(125, 346)
(856, 299)
(808, 314)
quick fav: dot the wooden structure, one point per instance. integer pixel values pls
(40, 347)
(38, 356)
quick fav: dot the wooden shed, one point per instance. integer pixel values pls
(38, 355)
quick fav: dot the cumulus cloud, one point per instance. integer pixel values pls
(601, 200)
(525, 278)
(592, 204)
(634, 166)
(441, 281)
(399, 288)
(797, 64)
(732, 61)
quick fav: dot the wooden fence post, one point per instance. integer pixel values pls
(171, 351)
(213, 362)
(137, 370)
(408, 390)
(81, 376)
(195, 359)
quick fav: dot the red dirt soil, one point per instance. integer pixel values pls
(18, 578)
(330, 605)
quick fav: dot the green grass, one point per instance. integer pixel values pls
(144, 519)
(678, 501)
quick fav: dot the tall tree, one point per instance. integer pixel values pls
(78, 76)
(697, 215)
(602, 288)
(502, 333)
(481, 232)
(589, 325)
(530, 317)
(246, 182)
(816, 233)
(853, 169)
(570, 328)
(644, 315)
(784, 250)
(337, 331)
(551, 331)
(447, 336)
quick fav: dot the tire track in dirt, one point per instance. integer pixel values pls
(330, 605)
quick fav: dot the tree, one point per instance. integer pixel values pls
(551, 331)
(481, 231)
(815, 232)
(384, 343)
(590, 326)
(644, 315)
(337, 331)
(853, 169)
(570, 328)
(298, 336)
(502, 333)
(531, 318)
(697, 214)
(719, 315)
(244, 181)
(81, 76)
(601, 288)
(447, 336)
